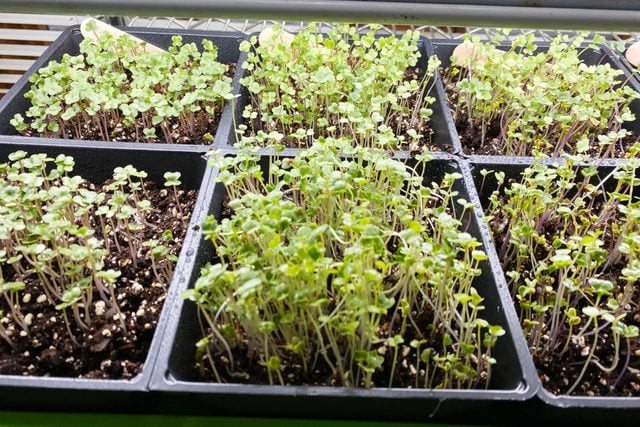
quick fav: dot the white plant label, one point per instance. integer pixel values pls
(633, 54)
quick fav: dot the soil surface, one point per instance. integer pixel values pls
(399, 123)
(116, 344)
(558, 373)
(174, 132)
(471, 135)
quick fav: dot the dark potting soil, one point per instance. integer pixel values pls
(558, 373)
(397, 122)
(203, 124)
(116, 344)
(471, 135)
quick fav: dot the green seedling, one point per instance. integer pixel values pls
(172, 179)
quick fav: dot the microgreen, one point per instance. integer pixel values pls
(340, 84)
(342, 264)
(113, 90)
(569, 241)
(53, 229)
(523, 100)
(172, 179)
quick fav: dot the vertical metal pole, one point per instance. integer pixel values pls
(116, 21)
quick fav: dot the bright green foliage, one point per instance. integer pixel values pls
(113, 84)
(342, 84)
(52, 228)
(564, 233)
(549, 102)
(324, 257)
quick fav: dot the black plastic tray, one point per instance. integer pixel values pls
(228, 42)
(513, 380)
(441, 122)
(443, 48)
(548, 407)
(96, 164)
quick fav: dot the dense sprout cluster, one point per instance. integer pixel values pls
(341, 84)
(524, 100)
(340, 265)
(115, 90)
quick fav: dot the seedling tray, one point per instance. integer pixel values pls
(443, 137)
(68, 43)
(180, 390)
(443, 48)
(96, 164)
(548, 407)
